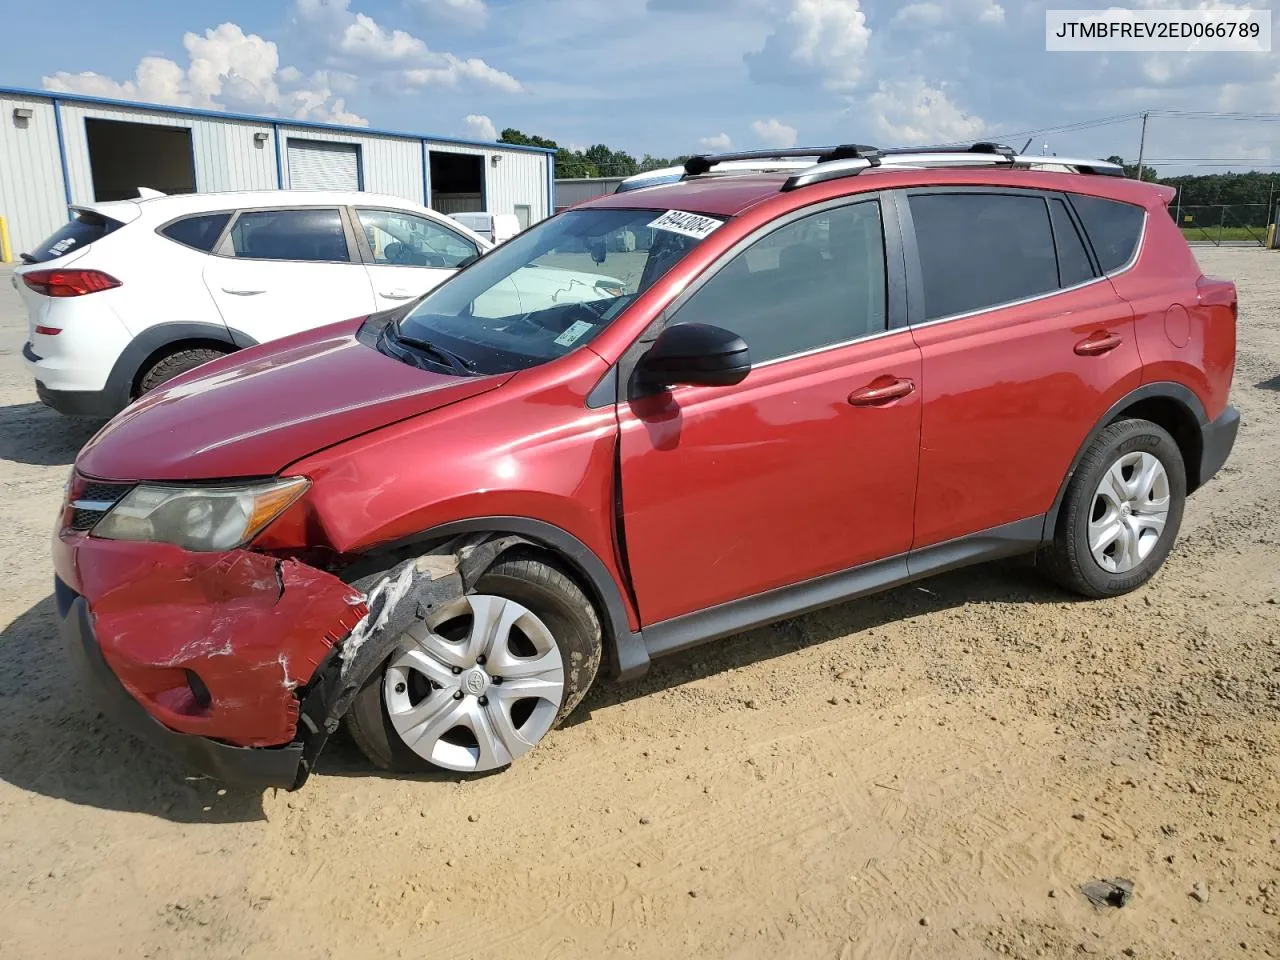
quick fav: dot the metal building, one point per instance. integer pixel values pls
(571, 192)
(60, 149)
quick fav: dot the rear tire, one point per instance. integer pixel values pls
(1121, 513)
(173, 364)
(565, 631)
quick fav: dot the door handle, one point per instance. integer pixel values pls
(395, 294)
(1098, 343)
(242, 293)
(872, 396)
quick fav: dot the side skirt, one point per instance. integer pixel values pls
(690, 630)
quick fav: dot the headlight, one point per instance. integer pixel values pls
(199, 518)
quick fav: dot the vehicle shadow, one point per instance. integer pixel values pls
(1010, 581)
(32, 433)
(58, 745)
(1272, 384)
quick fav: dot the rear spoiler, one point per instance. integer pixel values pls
(121, 211)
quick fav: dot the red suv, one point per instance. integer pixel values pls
(784, 390)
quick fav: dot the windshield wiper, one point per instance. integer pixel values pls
(453, 361)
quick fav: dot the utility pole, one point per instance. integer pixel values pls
(1142, 143)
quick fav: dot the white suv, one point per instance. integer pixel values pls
(129, 294)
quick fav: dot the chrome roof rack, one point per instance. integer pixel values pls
(850, 159)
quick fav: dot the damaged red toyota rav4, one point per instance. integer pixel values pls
(788, 387)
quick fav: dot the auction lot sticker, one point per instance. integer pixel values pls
(686, 224)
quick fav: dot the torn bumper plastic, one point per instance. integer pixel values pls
(240, 664)
(247, 766)
(212, 656)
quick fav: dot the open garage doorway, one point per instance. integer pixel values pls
(457, 182)
(125, 156)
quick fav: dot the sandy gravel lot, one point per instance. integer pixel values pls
(931, 773)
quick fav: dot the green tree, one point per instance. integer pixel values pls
(1131, 169)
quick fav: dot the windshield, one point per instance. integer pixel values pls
(546, 291)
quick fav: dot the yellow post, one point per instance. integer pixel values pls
(6, 253)
(1271, 237)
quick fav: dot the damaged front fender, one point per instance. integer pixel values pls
(254, 651)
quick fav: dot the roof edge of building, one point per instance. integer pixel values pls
(351, 130)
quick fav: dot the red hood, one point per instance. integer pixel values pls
(255, 412)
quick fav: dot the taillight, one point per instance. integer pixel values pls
(69, 283)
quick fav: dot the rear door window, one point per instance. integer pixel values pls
(199, 232)
(305, 235)
(981, 250)
(74, 236)
(1114, 228)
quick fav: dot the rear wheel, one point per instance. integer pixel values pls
(1121, 513)
(480, 681)
(173, 364)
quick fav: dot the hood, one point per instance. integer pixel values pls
(255, 412)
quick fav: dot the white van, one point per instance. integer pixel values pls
(494, 227)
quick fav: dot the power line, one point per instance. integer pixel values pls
(1217, 115)
(1061, 128)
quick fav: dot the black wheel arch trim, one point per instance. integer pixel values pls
(1166, 390)
(124, 374)
(625, 649)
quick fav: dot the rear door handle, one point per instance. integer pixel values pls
(878, 393)
(242, 293)
(1098, 343)
(396, 294)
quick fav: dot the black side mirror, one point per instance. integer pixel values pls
(694, 354)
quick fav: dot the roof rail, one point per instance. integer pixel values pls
(850, 159)
(696, 166)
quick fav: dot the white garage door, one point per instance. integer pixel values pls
(314, 165)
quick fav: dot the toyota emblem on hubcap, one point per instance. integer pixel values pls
(476, 683)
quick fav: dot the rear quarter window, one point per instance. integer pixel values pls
(73, 236)
(198, 232)
(1114, 228)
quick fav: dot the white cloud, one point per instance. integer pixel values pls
(911, 112)
(363, 39)
(357, 40)
(719, 142)
(480, 127)
(929, 15)
(822, 40)
(774, 133)
(464, 13)
(227, 69)
(450, 71)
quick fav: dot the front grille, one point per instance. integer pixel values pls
(104, 492)
(103, 496)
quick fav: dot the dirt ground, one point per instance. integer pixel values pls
(931, 773)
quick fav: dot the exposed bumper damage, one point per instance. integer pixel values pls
(242, 664)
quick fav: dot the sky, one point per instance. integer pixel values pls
(664, 77)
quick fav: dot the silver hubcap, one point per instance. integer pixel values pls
(1130, 510)
(476, 686)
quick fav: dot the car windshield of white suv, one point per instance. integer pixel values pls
(546, 291)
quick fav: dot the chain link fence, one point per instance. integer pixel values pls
(1226, 224)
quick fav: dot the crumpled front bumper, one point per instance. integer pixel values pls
(246, 766)
(213, 657)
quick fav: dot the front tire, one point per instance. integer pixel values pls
(1121, 513)
(480, 681)
(173, 364)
